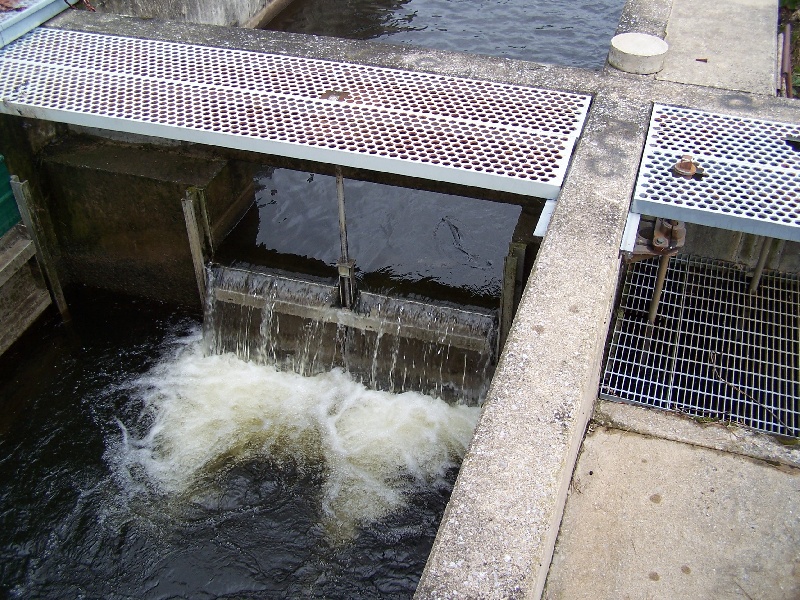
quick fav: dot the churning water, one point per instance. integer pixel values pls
(148, 469)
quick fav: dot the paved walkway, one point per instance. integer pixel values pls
(726, 45)
(653, 518)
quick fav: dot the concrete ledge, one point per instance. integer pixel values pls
(682, 428)
(499, 529)
(729, 45)
(657, 519)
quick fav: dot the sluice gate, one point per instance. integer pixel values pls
(387, 343)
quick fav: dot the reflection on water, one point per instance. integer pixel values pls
(402, 239)
(133, 467)
(558, 32)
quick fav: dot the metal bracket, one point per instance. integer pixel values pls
(662, 237)
(347, 283)
(544, 219)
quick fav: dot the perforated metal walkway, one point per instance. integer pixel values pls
(752, 181)
(476, 133)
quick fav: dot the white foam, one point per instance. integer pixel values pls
(210, 412)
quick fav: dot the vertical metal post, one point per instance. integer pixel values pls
(663, 265)
(345, 266)
(27, 210)
(189, 204)
(766, 246)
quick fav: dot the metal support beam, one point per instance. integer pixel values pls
(663, 265)
(766, 246)
(30, 217)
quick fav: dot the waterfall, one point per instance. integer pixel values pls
(386, 343)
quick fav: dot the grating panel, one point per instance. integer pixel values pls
(716, 352)
(753, 173)
(484, 134)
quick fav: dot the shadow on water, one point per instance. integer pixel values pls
(406, 242)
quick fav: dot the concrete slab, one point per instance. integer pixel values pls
(677, 427)
(728, 45)
(650, 518)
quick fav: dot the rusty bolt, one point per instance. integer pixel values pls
(685, 167)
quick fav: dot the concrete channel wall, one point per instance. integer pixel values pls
(232, 13)
(499, 530)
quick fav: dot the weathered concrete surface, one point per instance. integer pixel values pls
(495, 540)
(234, 13)
(728, 45)
(650, 518)
(682, 428)
(117, 214)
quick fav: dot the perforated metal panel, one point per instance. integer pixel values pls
(717, 351)
(477, 133)
(752, 181)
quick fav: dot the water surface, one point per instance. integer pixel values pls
(132, 466)
(557, 32)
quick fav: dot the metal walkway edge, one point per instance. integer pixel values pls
(752, 180)
(18, 17)
(475, 133)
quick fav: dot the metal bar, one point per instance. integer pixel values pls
(544, 219)
(342, 218)
(631, 230)
(30, 217)
(189, 204)
(663, 265)
(766, 246)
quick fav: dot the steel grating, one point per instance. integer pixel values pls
(752, 181)
(716, 352)
(489, 135)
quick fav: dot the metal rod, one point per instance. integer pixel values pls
(24, 198)
(346, 267)
(342, 219)
(786, 60)
(766, 246)
(656, 300)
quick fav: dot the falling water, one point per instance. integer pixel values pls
(386, 343)
(138, 466)
(369, 450)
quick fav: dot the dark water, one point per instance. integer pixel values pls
(405, 242)
(557, 32)
(82, 517)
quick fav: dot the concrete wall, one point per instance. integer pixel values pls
(117, 214)
(233, 13)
